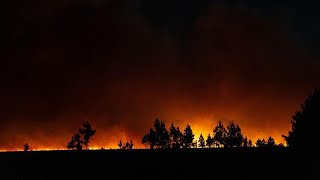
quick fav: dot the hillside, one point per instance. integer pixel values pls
(248, 163)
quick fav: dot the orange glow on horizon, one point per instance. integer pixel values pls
(205, 127)
(207, 124)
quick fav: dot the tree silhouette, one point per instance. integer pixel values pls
(304, 133)
(245, 142)
(194, 144)
(76, 142)
(202, 143)
(120, 144)
(219, 134)
(86, 132)
(163, 138)
(188, 137)
(26, 147)
(150, 138)
(159, 137)
(209, 141)
(234, 136)
(82, 137)
(127, 146)
(261, 143)
(249, 143)
(271, 142)
(131, 144)
(175, 137)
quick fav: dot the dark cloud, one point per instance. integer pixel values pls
(67, 62)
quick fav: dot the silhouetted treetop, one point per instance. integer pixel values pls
(219, 134)
(157, 137)
(82, 137)
(76, 142)
(250, 143)
(131, 144)
(201, 141)
(304, 133)
(271, 142)
(160, 137)
(233, 136)
(176, 137)
(209, 141)
(188, 137)
(245, 142)
(162, 134)
(150, 138)
(261, 143)
(281, 145)
(26, 147)
(120, 144)
(86, 132)
(127, 145)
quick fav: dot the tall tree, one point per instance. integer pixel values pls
(188, 137)
(304, 133)
(202, 143)
(209, 141)
(219, 134)
(175, 136)
(249, 143)
(234, 137)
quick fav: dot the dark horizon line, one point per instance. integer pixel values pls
(135, 149)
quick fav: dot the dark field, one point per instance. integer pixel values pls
(245, 163)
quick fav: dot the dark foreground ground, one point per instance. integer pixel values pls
(250, 163)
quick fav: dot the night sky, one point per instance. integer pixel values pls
(120, 65)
